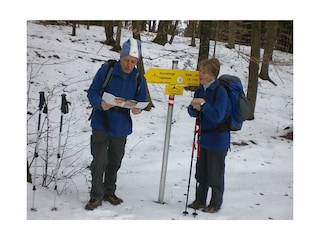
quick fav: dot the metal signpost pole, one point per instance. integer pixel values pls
(166, 142)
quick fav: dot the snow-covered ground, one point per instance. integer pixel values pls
(259, 175)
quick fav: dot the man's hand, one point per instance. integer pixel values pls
(106, 106)
(136, 111)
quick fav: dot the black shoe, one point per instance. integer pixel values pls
(195, 205)
(210, 209)
(113, 199)
(92, 204)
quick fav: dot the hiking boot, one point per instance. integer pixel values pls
(113, 199)
(195, 205)
(210, 209)
(92, 204)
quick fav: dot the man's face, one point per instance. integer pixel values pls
(127, 63)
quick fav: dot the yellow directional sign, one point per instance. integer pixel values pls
(172, 76)
(173, 90)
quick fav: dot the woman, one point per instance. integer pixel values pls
(212, 113)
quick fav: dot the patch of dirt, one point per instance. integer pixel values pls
(289, 135)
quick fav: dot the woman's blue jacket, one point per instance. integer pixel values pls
(213, 113)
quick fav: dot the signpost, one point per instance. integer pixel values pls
(173, 90)
(172, 76)
(175, 79)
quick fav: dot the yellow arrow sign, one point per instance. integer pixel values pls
(172, 76)
(173, 90)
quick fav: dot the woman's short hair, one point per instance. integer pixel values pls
(210, 66)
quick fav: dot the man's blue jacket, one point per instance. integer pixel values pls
(120, 85)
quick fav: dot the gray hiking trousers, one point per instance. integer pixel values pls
(107, 155)
(210, 170)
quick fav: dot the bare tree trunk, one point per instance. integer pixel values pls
(270, 41)
(144, 25)
(154, 24)
(215, 35)
(231, 34)
(193, 33)
(205, 32)
(162, 35)
(173, 31)
(136, 29)
(74, 26)
(108, 28)
(254, 66)
(149, 22)
(117, 46)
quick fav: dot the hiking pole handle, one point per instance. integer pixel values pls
(42, 100)
(64, 104)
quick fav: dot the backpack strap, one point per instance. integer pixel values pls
(138, 81)
(223, 126)
(214, 95)
(111, 63)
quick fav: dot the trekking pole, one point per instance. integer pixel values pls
(64, 109)
(198, 149)
(44, 182)
(35, 156)
(190, 171)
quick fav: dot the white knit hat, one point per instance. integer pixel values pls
(132, 47)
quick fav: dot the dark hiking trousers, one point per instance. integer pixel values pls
(210, 169)
(107, 155)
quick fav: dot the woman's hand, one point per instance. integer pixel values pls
(197, 103)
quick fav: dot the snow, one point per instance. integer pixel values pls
(259, 176)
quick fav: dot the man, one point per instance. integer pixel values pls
(111, 124)
(214, 140)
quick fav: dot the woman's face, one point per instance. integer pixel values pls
(205, 77)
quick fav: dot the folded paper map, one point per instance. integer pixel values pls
(121, 102)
